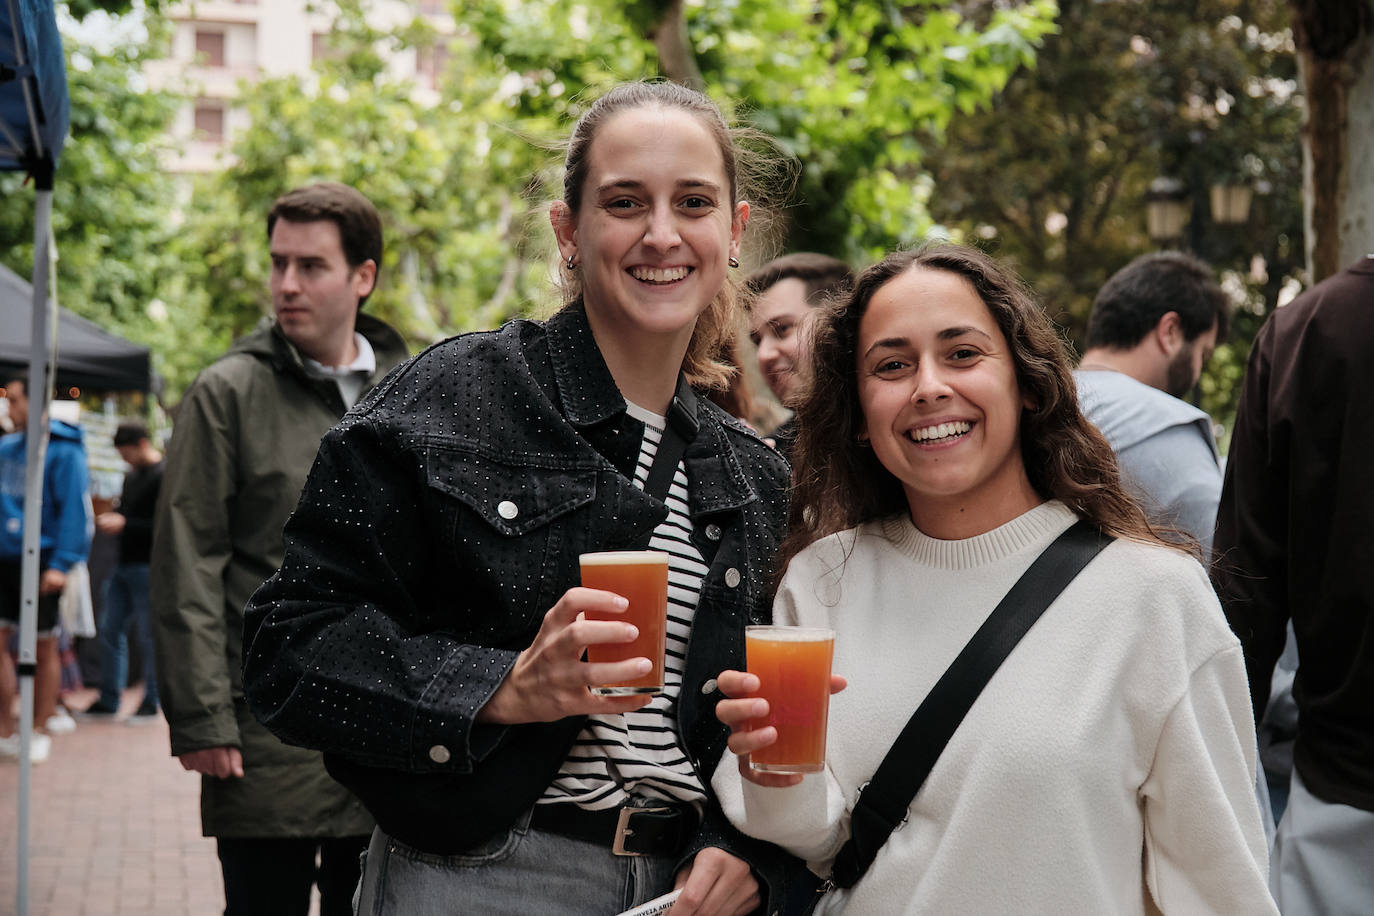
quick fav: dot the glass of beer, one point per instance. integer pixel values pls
(793, 668)
(640, 577)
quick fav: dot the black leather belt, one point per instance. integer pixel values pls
(658, 830)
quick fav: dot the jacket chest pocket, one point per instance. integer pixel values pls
(500, 521)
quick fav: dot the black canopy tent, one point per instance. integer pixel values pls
(87, 355)
(34, 110)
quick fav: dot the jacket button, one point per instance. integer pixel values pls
(732, 577)
(708, 687)
(507, 509)
(713, 532)
(439, 754)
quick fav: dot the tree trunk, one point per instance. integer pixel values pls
(1335, 43)
(675, 55)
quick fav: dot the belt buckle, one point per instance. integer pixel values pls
(622, 829)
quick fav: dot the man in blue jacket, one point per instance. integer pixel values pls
(64, 541)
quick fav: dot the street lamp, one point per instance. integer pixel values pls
(1166, 209)
(1230, 204)
(1170, 208)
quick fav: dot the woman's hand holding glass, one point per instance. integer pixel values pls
(549, 680)
(739, 712)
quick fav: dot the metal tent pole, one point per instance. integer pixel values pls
(39, 385)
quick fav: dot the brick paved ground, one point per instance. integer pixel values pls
(114, 827)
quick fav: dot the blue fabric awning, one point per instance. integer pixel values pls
(34, 108)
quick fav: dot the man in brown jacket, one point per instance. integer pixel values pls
(246, 435)
(1293, 543)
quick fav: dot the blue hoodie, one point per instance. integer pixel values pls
(66, 527)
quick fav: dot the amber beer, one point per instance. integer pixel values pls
(793, 668)
(640, 577)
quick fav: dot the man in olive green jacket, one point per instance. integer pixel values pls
(245, 438)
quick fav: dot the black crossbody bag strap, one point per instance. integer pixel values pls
(883, 803)
(681, 429)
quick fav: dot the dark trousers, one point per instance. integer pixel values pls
(272, 877)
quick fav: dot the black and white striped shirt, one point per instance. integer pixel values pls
(638, 753)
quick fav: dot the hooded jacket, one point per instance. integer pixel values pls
(245, 437)
(65, 533)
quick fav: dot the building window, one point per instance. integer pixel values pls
(209, 122)
(210, 48)
(430, 63)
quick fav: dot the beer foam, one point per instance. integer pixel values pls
(778, 633)
(625, 558)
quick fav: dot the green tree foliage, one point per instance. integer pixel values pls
(80, 9)
(845, 87)
(1054, 175)
(462, 182)
(448, 180)
(111, 200)
(850, 88)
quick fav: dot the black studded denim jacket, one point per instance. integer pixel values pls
(443, 517)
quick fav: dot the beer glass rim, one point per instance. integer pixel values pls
(790, 633)
(622, 557)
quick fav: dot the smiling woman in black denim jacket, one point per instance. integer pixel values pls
(424, 630)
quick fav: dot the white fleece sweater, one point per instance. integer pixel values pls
(1107, 768)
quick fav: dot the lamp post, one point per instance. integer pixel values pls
(1166, 210)
(1170, 206)
(1231, 204)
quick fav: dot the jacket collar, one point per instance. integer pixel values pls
(585, 384)
(590, 396)
(719, 483)
(387, 345)
(57, 429)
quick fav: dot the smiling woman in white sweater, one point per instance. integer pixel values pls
(1108, 765)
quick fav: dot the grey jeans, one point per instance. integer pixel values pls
(1323, 860)
(523, 872)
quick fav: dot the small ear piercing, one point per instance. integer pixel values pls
(572, 261)
(734, 262)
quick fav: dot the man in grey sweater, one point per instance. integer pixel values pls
(1152, 329)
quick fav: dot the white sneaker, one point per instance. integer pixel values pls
(61, 723)
(39, 747)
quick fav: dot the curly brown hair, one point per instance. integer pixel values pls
(837, 484)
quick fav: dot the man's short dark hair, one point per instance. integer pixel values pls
(19, 380)
(360, 225)
(130, 434)
(824, 277)
(1130, 304)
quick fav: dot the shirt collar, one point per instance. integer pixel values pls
(365, 362)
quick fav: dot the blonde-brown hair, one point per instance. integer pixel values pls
(839, 484)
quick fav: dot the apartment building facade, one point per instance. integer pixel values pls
(219, 44)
